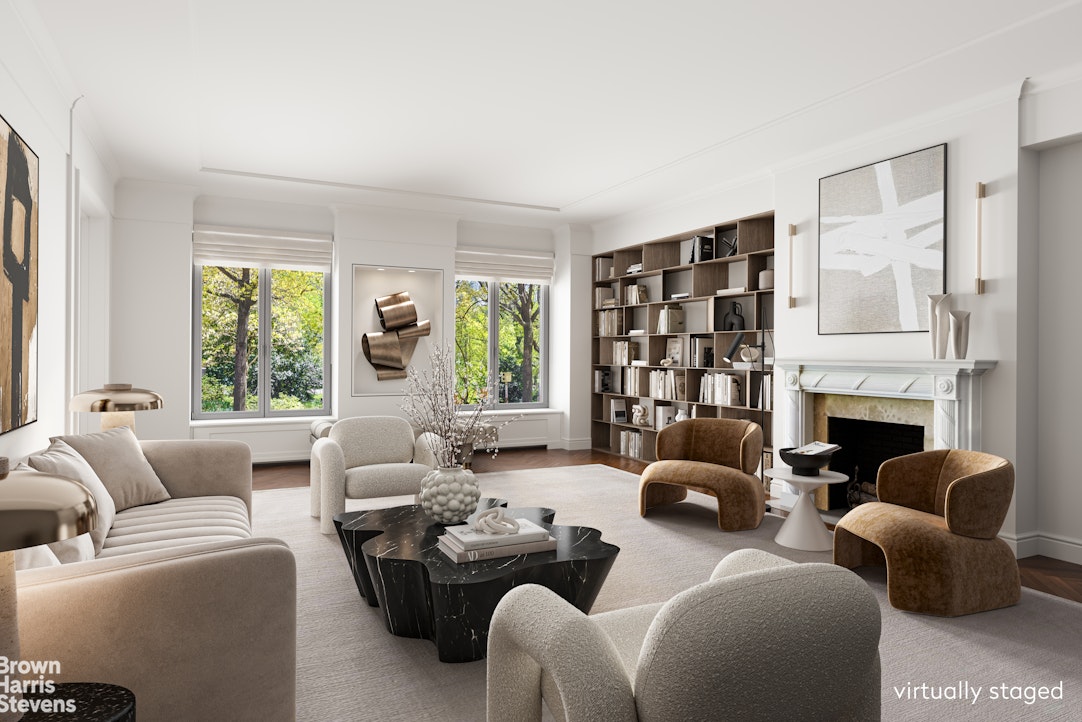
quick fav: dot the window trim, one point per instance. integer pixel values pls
(263, 410)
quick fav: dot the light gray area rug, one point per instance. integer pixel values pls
(351, 668)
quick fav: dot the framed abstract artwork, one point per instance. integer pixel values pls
(19, 281)
(882, 244)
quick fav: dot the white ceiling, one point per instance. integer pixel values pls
(541, 113)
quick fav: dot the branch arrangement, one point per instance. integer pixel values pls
(432, 404)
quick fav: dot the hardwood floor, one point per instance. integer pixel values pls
(1061, 579)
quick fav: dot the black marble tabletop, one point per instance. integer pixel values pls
(84, 701)
(398, 566)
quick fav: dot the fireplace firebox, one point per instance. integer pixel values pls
(864, 446)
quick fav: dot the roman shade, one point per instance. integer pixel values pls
(503, 264)
(258, 248)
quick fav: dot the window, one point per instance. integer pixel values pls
(501, 300)
(261, 320)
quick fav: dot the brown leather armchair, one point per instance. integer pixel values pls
(710, 456)
(935, 527)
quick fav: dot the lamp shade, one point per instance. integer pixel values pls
(116, 397)
(37, 508)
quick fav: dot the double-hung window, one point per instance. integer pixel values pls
(501, 325)
(261, 320)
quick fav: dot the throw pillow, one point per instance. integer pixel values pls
(62, 460)
(117, 459)
(34, 557)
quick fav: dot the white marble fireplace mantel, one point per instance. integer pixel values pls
(953, 386)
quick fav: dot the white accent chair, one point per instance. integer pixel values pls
(764, 639)
(366, 457)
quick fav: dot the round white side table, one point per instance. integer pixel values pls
(804, 529)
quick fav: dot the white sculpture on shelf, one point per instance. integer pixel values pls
(639, 415)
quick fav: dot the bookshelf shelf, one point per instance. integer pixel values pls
(719, 298)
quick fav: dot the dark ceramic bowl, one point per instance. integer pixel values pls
(804, 464)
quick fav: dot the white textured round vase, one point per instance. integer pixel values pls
(449, 495)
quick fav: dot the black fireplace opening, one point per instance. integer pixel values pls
(864, 446)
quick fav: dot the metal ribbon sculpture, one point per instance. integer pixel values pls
(390, 351)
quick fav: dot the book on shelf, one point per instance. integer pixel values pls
(608, 302)
(663, 416)
(459, 556)
(634, 268)
(702, 351)
(816, 448)
(608, 322)
(671, 319)
(619, 411)
(702, 249)
(679, 296)
(639, 362)
(734, 291)
(603, 268)
(635, 294)
(467, 538)
(636, 332)
(624, 352)
(674, 350)
(603, 294)
(603, 380)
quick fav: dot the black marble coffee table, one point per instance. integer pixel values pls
(398, 567)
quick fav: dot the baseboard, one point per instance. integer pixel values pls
(278, 457)
(1060, 547)
(572, 444)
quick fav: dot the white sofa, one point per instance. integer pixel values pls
(178, 602)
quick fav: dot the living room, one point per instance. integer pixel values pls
(563, 135)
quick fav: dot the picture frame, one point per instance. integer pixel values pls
(19, 188)
(673, 351)
(882, 243)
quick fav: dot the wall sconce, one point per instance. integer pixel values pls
(117, 404)
(35, 508)
(980, 198)
(792, 298)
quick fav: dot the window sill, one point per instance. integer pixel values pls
(257, 421)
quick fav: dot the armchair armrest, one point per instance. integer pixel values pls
(535, 632)
(976, 505)
(327, 478)
(203, 467)
(422, 449)
(747, 560)
(206, 631)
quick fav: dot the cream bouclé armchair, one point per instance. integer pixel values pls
(365, 457)
(764, 638)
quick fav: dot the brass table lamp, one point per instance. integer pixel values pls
(117, 404)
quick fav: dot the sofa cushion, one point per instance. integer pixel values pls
(62, 460)
(116, 458)
(177, 522)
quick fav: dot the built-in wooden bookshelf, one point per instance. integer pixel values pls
(657, 301)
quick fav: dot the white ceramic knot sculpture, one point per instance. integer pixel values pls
(493, 521)
(639, 415)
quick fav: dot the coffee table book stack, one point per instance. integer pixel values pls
(463, 543)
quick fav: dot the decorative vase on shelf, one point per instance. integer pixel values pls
(939, 323)
(681, 415)
(959, 325)
(449, 494)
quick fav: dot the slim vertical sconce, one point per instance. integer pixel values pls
(980, 198)
(792, 299)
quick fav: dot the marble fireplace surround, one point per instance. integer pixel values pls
(952, 386)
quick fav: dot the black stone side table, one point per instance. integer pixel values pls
(399, 567)
(94, 702)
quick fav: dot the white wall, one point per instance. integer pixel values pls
(1058, 352)
(37, 109)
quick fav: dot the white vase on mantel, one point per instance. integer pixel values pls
(959, 325)
(449, 494)
(939, 323)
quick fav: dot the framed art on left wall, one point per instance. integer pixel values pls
(19, 281)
